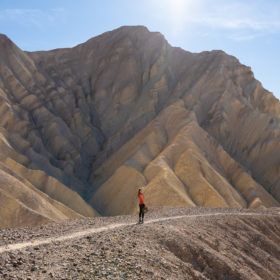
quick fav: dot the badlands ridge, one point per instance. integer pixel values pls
(82, 128)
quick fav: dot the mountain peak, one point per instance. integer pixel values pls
(133, 27)
(137, 31)
(4, 39)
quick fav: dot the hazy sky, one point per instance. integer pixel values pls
(248, 29)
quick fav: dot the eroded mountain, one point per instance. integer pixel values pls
(83, 128)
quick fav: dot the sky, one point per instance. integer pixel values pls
(247, 29)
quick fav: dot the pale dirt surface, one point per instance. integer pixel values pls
(205, 244)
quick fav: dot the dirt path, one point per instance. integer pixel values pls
(80, 234)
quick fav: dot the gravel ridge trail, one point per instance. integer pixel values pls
(90, 231)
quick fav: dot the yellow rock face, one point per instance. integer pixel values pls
(22, 204)
(87, 126)
(190, 168)
(52, 188)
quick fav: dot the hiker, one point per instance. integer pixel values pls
(141, 206)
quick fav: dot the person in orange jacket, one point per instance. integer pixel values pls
(141, 206)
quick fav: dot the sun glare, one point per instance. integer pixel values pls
(175, 13)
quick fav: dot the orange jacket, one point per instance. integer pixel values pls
(141, 198)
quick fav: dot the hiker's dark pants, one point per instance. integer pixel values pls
(141, 211)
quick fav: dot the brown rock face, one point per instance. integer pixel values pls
(125, 109)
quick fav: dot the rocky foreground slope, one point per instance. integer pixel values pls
(82, 128)
(201, 244)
